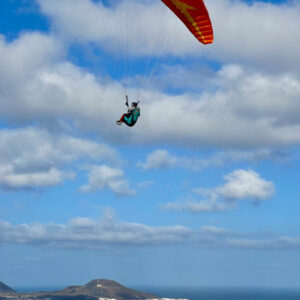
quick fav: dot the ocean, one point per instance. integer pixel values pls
(207, 293)
(225, 293)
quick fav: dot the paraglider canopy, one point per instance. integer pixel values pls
(194, 15)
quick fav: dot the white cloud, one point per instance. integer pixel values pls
(25, 55)
(34, 158)
(12, 180)
(245, 184)
(251, 111)
(109, 232)
(128, 27)
(240, 185)
(245, 109)
(254, 34)
(89, 233)
(103, 177)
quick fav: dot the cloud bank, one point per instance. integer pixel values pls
(245, 109)
(89, 233)
(163, 159)
(107, 231)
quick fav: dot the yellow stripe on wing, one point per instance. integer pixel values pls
(184, 8)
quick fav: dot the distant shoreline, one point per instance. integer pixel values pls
(151, 289)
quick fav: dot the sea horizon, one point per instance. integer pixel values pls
(201, 293)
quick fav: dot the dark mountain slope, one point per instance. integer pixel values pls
(104, 288)
(4, 289)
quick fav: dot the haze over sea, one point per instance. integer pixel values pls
(227, 293)
(205, 293)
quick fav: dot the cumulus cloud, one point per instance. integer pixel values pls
(245, 184)
(12, 180)
(250, 33)
(243, 32)
(103, 177)
(20, 61)
(240, 185)
(26, 54)
(245, 109)
(34, 158)
(127, 26)
(45, 89)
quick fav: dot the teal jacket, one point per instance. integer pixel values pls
(131, 120)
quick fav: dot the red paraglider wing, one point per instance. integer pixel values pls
(194, 15)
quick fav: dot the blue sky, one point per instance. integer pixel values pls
(203, 191)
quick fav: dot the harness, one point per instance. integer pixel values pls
(133, 117)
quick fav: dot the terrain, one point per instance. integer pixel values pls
(95, 289)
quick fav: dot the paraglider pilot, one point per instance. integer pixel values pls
(132, 114)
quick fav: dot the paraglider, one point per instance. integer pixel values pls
(132, 115)
(194, 15)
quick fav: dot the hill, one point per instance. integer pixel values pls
(103, 288)
(95, 289)
(4, 289)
